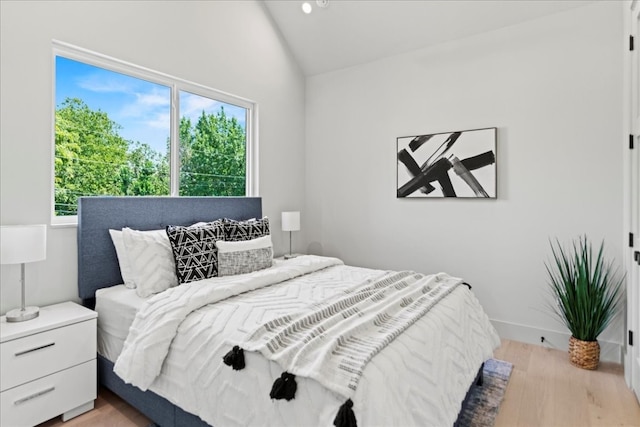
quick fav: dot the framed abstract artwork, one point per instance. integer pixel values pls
(450, 164)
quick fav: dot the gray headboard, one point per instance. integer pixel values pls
(97, 260)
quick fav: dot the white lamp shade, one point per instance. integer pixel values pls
(290, 221)
(23, 243)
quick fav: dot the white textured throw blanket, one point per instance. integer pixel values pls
(333, 340)
(156, 323)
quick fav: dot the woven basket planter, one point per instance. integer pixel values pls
(584, 354)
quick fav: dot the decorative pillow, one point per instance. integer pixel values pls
(236, 231)
(244, 256)
(151, 260)
(123, 260)
(194, 250)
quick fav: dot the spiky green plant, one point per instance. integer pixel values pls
(586, 294)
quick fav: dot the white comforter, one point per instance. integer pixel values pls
(177, 341)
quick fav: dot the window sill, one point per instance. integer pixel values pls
(64, 222)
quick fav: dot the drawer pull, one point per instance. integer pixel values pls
(20, 353)
(34, 395)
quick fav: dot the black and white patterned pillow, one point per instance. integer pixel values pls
(236, 231)
(194, 250)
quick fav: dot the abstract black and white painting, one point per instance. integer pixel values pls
(450, 164)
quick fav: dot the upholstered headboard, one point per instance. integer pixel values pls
(97, 260)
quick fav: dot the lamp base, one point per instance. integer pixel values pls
(20, 315)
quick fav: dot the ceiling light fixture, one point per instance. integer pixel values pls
(306, 7)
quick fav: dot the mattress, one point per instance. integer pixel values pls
(425, 372)
(116, 307)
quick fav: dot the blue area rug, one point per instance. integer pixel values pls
(483, 402)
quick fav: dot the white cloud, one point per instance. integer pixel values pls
(192, 105)
(159, 121)
(154, 99)
(147, 104)
(98, 83)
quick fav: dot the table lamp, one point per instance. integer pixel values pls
(290, 222)
(20, 244)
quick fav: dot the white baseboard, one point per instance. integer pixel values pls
(609, 351)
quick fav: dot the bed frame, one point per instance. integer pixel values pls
(98, 268)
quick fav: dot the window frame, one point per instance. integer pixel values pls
(176, 85)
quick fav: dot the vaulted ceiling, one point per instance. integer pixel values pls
(352, 32)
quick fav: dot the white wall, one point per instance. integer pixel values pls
(229, 46)
(552, 87)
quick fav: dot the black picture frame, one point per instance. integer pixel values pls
(460, 164)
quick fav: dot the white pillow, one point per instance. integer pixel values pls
(123, 260)
(150, 260)
(243, 245)
(244, 256)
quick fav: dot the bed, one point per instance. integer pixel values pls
(204, 388)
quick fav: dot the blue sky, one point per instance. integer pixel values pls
(142, 108)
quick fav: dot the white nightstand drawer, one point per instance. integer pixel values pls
(35, 356)
(42, 399)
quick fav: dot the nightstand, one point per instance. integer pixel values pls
(48, 365)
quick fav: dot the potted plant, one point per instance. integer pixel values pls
(586, 297)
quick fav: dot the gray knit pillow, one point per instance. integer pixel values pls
(244, 256)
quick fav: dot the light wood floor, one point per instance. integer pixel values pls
(544, 390)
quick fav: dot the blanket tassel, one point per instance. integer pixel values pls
(345, 416)
(235, 358)
(284, 387)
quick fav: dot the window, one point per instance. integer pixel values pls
(212, 147)
(123, 130)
